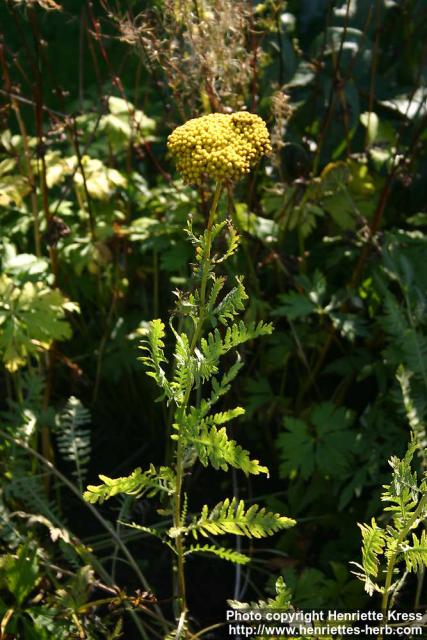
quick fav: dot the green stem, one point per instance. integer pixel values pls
(179, 542)
(206, 261)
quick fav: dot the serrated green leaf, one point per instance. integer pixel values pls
(231, 516)
(221, 552)
(139, 482)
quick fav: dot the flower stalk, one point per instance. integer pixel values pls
(222, 148)
(179, 542)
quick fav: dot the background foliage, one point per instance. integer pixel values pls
(333, 250)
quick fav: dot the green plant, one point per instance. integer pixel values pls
(195, 385)
(73, 437)
(392, 551)
(332, 242)
(31, 317)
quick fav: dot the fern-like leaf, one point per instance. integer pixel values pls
(233, 241)
(221, 552)
(373, 541)
(413, 414)
(154, 345)
(214, 346)
(282, 600)
(214, 446)
(138, 483)
(232, 303)
(149, 531)
(230, 516)
(416, 555)
(202, 245)
(403, 491)
(409, 346)
(185, 369)
(29, 491)
(217, 285)
(73, 438)
(220, 387)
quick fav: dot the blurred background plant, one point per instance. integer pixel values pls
(333, 248)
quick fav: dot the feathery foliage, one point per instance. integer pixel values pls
(372, 547)
(138, 483)
(327, 236)
(196, 431)
(390, 546)
(221, 552)
(282, 600)
(154, 346)
(231, 516)
(416, 554)
(73, 438)
(213, 446)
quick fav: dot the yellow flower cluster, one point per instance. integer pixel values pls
(221, 146)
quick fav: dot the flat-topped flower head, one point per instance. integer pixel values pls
(221, 146)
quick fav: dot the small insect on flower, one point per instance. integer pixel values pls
(219, 145)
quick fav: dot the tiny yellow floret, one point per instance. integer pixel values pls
(221, 146)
